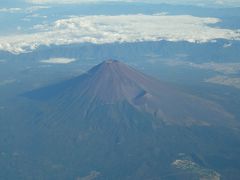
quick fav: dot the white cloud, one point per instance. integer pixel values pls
(122, 28)
(30, 9)
(34, 16)
(10, 10)
(227, 45)
(58, 60)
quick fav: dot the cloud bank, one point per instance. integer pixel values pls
(122, 28)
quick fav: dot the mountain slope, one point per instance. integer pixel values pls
(115, 122)
(112, 83)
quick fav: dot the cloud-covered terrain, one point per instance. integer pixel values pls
(229, 71)
(122, 28)
(225, 68)
(225, 80)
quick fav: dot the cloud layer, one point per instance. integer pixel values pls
(122, 28)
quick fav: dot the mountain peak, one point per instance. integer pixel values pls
(113, 82)
(111, 61)
(109, 66)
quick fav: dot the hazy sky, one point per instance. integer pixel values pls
(235, 3)
(196, 2)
